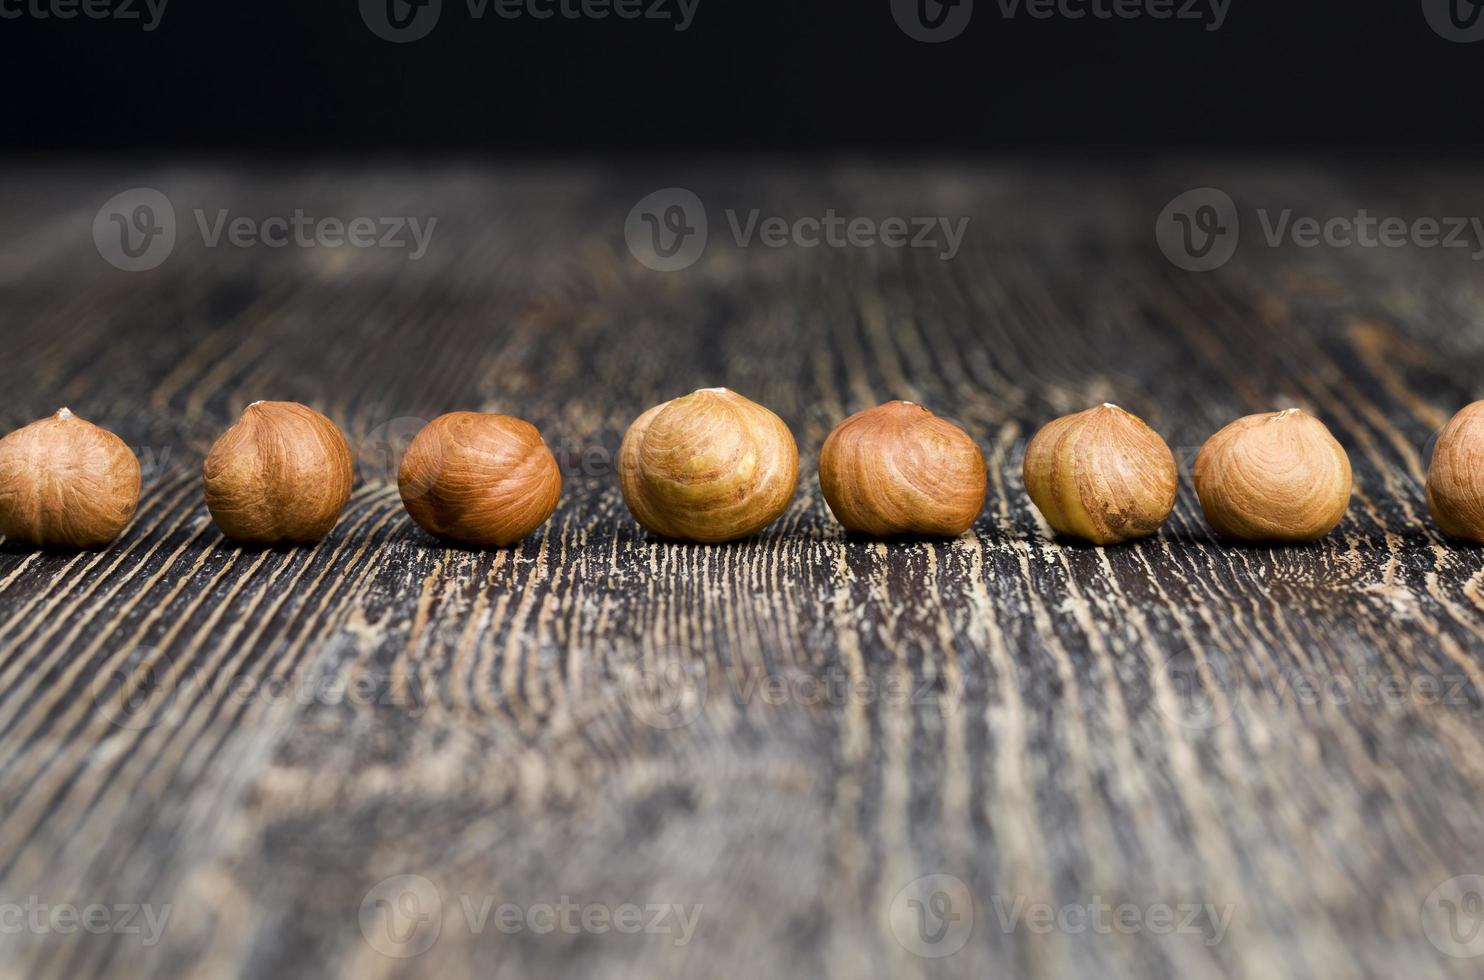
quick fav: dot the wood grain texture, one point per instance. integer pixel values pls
(782, 734)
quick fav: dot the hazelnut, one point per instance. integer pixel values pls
(898, 469)
(1101, 475)
(66, 483)
(1273, 477)
(709, 467)
(1455, 477)
(281, 475)
(485, 481)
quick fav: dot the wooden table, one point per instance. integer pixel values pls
(803, 755)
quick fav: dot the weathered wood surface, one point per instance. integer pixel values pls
(784, 733)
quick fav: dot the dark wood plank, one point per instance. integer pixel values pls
(782, 735)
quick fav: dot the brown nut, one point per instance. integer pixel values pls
(1101, 475)
(66, 483)
(710, 467)
(1455, 478)
(1274, 477)
(898, 469)
(281, 475)
(485, 481)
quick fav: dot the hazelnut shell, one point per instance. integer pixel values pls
(898, 469)
(1278, 477)
(710, 466)
(1455, 476)
(281, 475)
(1101, 475)
(66, 483)
(486, 481)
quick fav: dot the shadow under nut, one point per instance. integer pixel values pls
(479, 480)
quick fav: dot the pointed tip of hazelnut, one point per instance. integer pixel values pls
(64, 414)
(1116, 411)
(711, 391)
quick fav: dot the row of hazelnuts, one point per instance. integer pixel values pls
(713, 466)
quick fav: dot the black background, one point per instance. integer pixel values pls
(307, 76)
